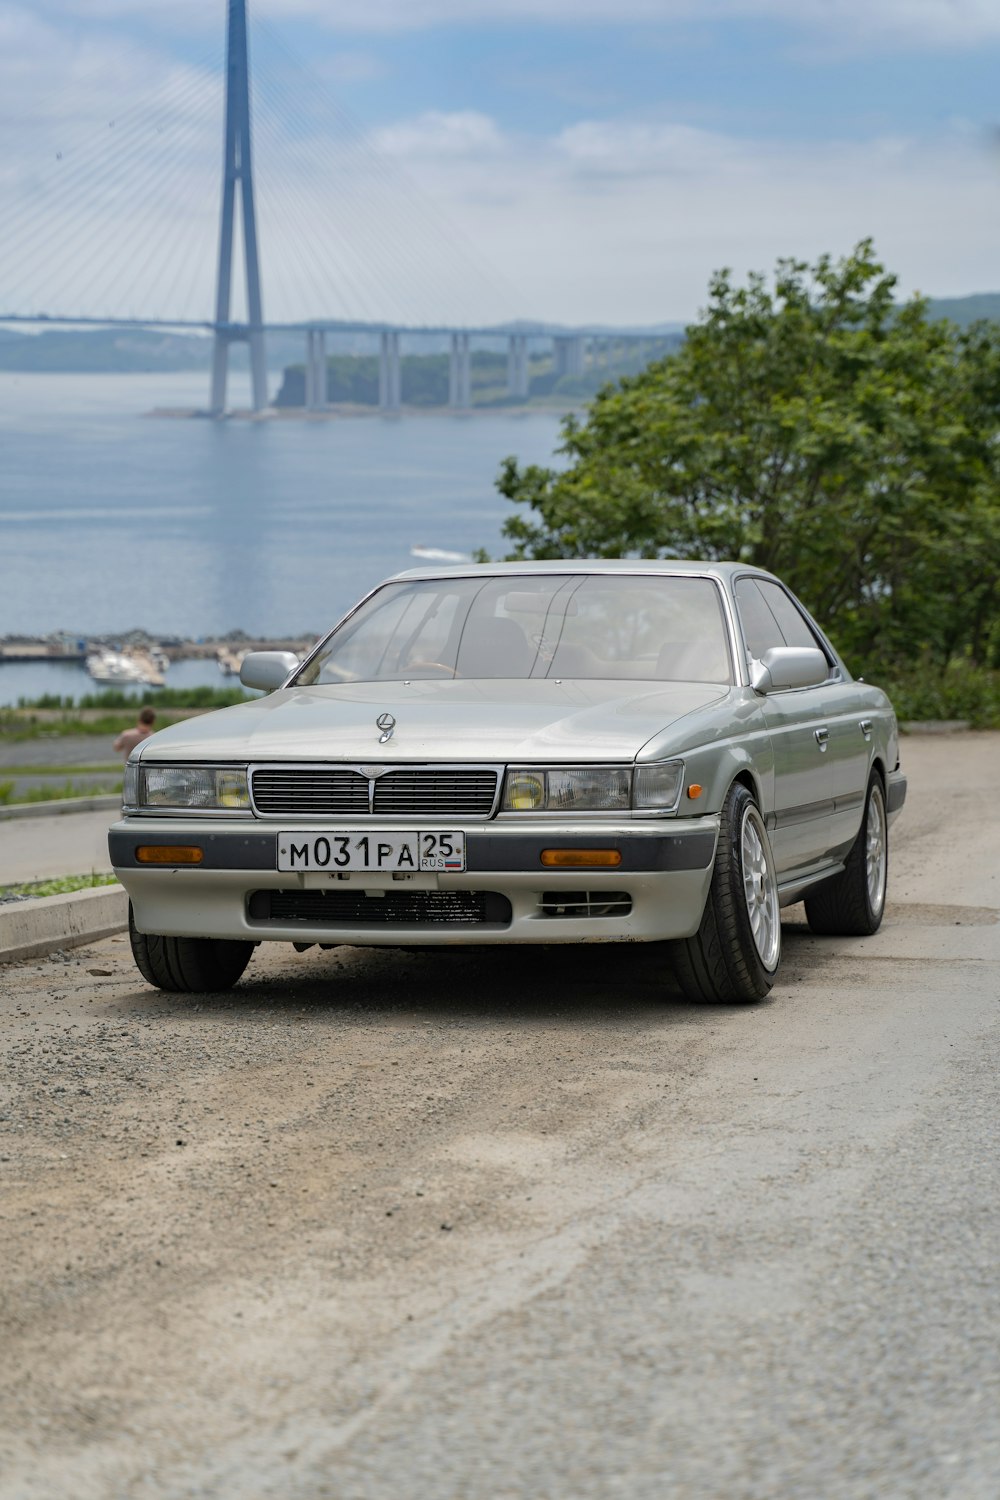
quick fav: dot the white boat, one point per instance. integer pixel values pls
(113, 668)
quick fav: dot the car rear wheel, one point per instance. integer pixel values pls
(734, 955)
(852, 903)
(189, 965)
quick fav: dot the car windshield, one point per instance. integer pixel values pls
(591, 626)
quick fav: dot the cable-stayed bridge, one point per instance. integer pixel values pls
(129, 230)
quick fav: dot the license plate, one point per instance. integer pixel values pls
(390, 851)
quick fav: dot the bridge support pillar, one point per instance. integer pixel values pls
(460, 373)
(568, 355)
(517, 366)
(315, 369)
(237, 172)
(390, 382)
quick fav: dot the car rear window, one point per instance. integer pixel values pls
(590, 626)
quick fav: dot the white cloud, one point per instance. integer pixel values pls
(625, 222)
(435, 134)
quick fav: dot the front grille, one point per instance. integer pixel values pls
(317, 791)
(331, 909)
(585, 904)
(343, 791)
(436, 794)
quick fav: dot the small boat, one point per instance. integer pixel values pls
(112, 667)
(149, 671)
(439, 554)
(229, 660)
(115, 668)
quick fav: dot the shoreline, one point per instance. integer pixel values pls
(343, 411)
(67, 646)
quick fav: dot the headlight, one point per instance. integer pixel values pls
(222, 787)
(592, 788)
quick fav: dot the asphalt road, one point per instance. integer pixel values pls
(54, 844)
(472, 1226)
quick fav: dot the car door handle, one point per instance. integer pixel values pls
(821, 737)
(865, 726)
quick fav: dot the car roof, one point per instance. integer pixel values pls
(593, 565)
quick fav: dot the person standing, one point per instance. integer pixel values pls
(143, 728)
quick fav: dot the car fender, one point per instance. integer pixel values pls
(715, 767)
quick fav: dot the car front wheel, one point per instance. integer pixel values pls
(734, 955)
(187, 965)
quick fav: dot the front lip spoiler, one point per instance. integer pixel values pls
(234, 849)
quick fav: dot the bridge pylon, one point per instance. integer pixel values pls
(237, 170)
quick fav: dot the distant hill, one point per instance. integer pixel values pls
(966, 310)
(123, 351)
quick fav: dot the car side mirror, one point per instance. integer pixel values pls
(267, 669)
(788, 667)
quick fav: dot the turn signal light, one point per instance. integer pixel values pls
(694, 790)
(581, 858)
(169, 854)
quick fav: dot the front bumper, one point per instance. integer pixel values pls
(665, 872)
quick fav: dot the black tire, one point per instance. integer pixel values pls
(723, 962)
(188, 965)
(852, 903)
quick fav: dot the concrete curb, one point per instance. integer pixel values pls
(29, 929)
(61, 805)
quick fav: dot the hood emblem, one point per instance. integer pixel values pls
(387, 724)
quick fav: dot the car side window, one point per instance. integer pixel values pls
(791, 622)
(760, 628)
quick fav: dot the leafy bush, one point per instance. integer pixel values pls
(925, 692)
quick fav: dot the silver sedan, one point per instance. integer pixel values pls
(557, 752)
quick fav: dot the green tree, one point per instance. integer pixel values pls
(811, 426)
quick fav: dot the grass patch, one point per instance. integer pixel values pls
(111, 768)
(62, 793)
(17, 724)
(191, 697)
(61, 886)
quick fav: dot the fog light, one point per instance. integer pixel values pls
(525, 791)
(169, 854)
(581, 858)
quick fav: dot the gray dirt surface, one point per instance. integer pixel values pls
(470, 1226)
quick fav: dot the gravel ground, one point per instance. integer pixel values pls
(520, 1224)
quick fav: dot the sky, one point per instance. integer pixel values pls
(475, 160)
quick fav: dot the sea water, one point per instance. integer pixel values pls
(113, 519)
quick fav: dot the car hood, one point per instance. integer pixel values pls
(445, 721)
